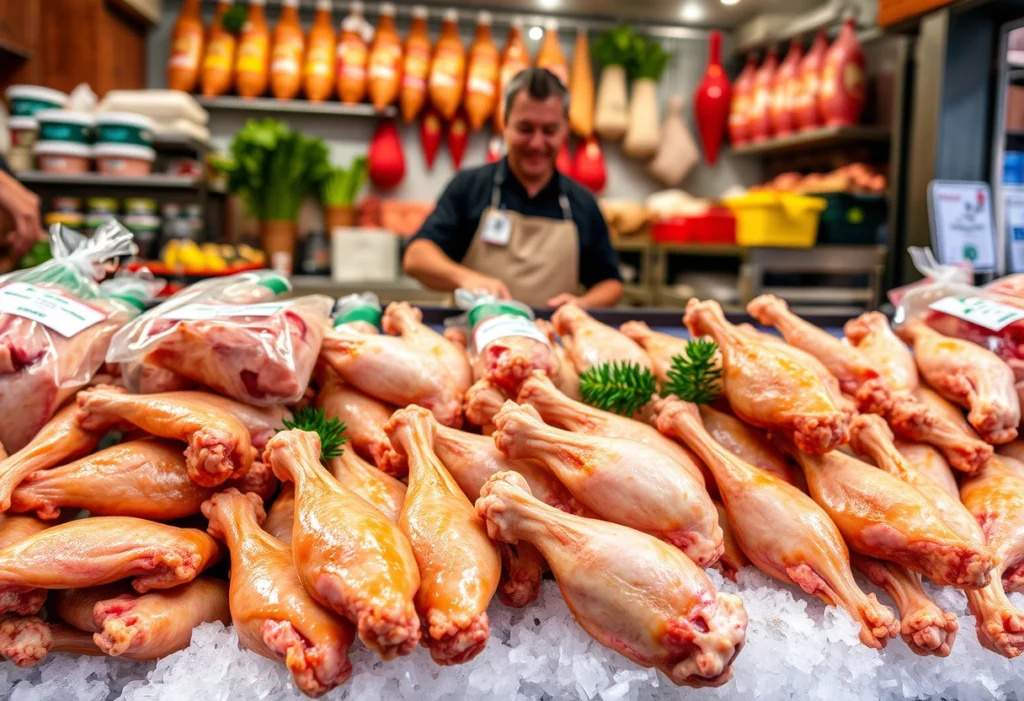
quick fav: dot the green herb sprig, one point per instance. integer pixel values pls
(697, 377)
(331, 431)
(620, 387)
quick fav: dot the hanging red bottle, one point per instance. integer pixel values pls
(784, 88)
(495, 149)
(563, 161)
(385, 159)
(760, 120)
(712, 101)
(843, 89)
(739, 108)
(588, 167)
(458, 138)
(430, 136)
(806, 113)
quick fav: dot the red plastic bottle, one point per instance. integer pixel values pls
(739, 109)
(712, 100)
(806, 113)
(843, 87)
(759, 121)
(784, 90)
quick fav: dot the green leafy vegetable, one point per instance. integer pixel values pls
(697, 377)
(615, 47)
(642, 57)
(233, 20)
(621, 387)
(331, 431)
(649, 59)
(342, 185)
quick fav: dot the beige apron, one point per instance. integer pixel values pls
(536, 257)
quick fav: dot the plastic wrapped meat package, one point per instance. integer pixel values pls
(56, 322)
(229, 334)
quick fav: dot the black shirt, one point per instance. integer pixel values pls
(455, 218)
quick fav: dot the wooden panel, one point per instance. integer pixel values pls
(893, 11)
(17, 26)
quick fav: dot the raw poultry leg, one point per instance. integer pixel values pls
(259, 480)
(748, 443)
(102, 549)
(781, 530)
(273, 614)
(928, 418)
(281, 516)
(559, 410)
(27, 640)
(219, 445)
(660, 347)
(262, 422)
(925, 628)
(149, 626)
(968, 375)
(871, 334)
(483, 401)
(405, 320)
(619, 480)
(349, 556)
(389, 369)
(856, 374)
(59, 440)
(995, 495)
(567, 379)
(364, 416)
(14, 529)
(377, 488)
(593, 343)
(930, 462)
(881, 516)
(768, 387)
(459, 565)
(631, 592)
(733, 559)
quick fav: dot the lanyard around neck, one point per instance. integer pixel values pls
(499, 180)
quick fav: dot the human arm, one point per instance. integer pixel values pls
(23, 207)
(425, 261)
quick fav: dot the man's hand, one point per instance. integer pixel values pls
(473, 280)
(564, 298)
(23, 207)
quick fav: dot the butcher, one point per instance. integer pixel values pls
(519, 228)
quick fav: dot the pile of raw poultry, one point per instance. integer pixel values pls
(468, 473)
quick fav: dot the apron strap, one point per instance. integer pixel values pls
(499, 180)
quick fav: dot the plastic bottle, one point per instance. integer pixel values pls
(318, 71)
(759, 120)
(289, 49)
(186, 48)
(514, 58)
(784, 89)
(253, 61)
(550, 55)
(352, 57)
(448, 70)
(805, 112)
(843, 90)
(415, 66)
(219, 56)
(739, 109)
(481, 74)
(385, 60)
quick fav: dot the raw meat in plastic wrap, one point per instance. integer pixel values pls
(227, 334)
(56, 323)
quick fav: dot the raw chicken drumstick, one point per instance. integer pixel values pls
(59, 440)
(995, 495)
(364, 416)
(567, 379)
(781, 530)
(483, 401)
(14, 529)
(748, 443)
(881, 516)
(926, 417)
(631, 592)
(146, 627)
(348, 555)
(27, 640)
(377, 488)
(871, 334)
(660, 347)
(857, 376)
(619, 480)
(262, 422)
(968, 375)
(768, 387)
(102, 549)
(929, 461)
(219, 445)
(733, 559)
(924, 627)
(272, 612)
(459, 565)
(281, 516)
(591, 343)
(389, 369)
(405, 320)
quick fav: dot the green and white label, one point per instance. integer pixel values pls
(202, 311)
(503, 326)
(57, 312)
(977, 310)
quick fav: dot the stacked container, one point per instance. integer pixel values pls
(124, 144)
(64, 138)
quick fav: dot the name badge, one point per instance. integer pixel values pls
(497, 229)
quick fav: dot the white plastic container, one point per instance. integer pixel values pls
(363, 255)
(26, 100)
(124, 160)
(124, 128)
(23, 139)
(63, 157)
(65, 125)
(162, 105)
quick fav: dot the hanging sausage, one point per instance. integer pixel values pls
(588, 168)
(760, 120)
(581, 90)
(550, 55)
(843, 89)
(286, 56)
(458, 138)
(448, 69)
(352, 56)
(514, 58)
(415, 66)
(739, 108)
(431, 135)
(318, 71)
(481, 74)
(784, 90)
(252, 63)
(385, 160)
(186, 48)
(385, 60)
(806, 113)
(219, 58)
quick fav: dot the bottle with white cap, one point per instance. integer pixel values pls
(415, 66)
(385, 60)
(318, 71)
(482, 74)
(353, 54)
(448, 71)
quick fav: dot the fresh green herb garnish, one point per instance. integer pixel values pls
(234, 20)
(620, 387)
(331, 431)
(697, 377)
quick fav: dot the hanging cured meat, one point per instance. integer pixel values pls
(515, 58)
(318, 72)
(711, 101)
(289, 47)
(550, 55)
(843, 90)
(481, 74)
(588, 167)
(759, 122)
(677, 154)
(415, 66)
(785, 87)
(385, 60)
(458, 138)
(253, 60)
(806, 114)
(431, 135)
(186, 48)
(739, 109)
(385, 159)
(352, 57)
(219, 58)
(448, 69)
(581, 90)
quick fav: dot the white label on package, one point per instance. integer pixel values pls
(983, 312)
(202, 311)
(55, 311)
(504, 325)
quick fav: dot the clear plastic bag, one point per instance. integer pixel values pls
(56, 323)
(360, 312)
(229, 334)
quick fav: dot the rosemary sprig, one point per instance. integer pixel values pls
(695, 378)
(331, 431)
(621, 387)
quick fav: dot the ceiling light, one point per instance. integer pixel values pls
(535, 33)
(691, 12)
(730, 2)
(549, 4)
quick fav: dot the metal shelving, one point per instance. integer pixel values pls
(269, 105)
(825, 137)
(155, 181)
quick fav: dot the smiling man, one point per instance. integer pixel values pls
(518, 228)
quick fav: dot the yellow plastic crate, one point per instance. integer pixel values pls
(778, 219)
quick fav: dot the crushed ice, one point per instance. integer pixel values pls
(797, 648)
